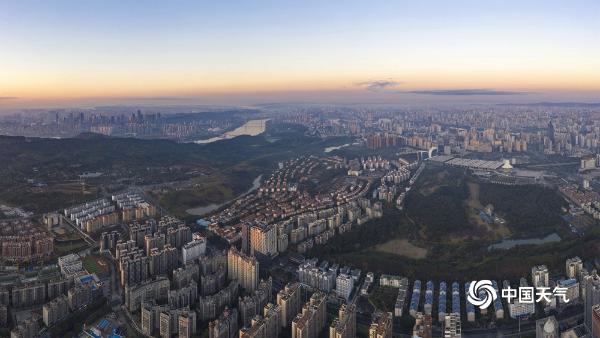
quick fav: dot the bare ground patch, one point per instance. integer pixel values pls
(402, 247)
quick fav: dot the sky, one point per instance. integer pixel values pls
(75, 52)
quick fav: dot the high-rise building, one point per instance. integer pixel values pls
(187, 324)
(344, 326)
(546, 328)
(57, 287)
(451, 326)
(253, 305)
(550, 131)
(258, 329)
(272, 319)
(193, 250)
(596, 320)
(166, 329)
(243, 268)
(246, 238)
(3, 315)
(320, 278)
(572, 290)
(267, 326)
(28, 294)
(539, 276)
(55, 310)
(157, 289)
(422, 327)
(226, 326)
(79, 296)
(592, 297)
(344, 284)
(312, 319)
(381, 325)
(289, 301)
(573, 267)
(263, 239)
(108, 240)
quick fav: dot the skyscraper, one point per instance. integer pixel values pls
(312, 319)
(288, 300)
(592, 297)
(573, 267)
(243, 268)
(246, 238)
(550, 131)
(344, 326)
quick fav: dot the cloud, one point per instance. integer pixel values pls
(466, 92)
(8, 97)
(161, 98)
(378, 85)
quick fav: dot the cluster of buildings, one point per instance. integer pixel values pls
(328, 278)
(293, 309)
(133, 206)
(580, 287)
(82, 291)
(281, 214)
(316, 228)
(94, 215)
(21, 241)
(123, 122)
(582, 200)
(166, 321)
(56, 297)
(548, 130)
(382, 325)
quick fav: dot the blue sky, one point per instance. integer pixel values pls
(65, 50)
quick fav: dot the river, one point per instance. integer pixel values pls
(203, 210)
(251, 128)
(330, 149)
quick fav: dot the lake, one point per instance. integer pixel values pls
(511, 243)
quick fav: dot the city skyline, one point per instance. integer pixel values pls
(74, 54)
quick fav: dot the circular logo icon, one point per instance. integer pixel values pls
(482, 293)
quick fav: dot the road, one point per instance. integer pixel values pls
(89, 240)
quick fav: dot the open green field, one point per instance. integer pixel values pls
(96, 264)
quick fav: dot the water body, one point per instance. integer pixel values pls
(511, 243)
(203, 210)
(251, 128)
(330, 149)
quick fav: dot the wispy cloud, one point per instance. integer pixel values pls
(161, 98)
(378, 85)
(466, 92)
(8, 97)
